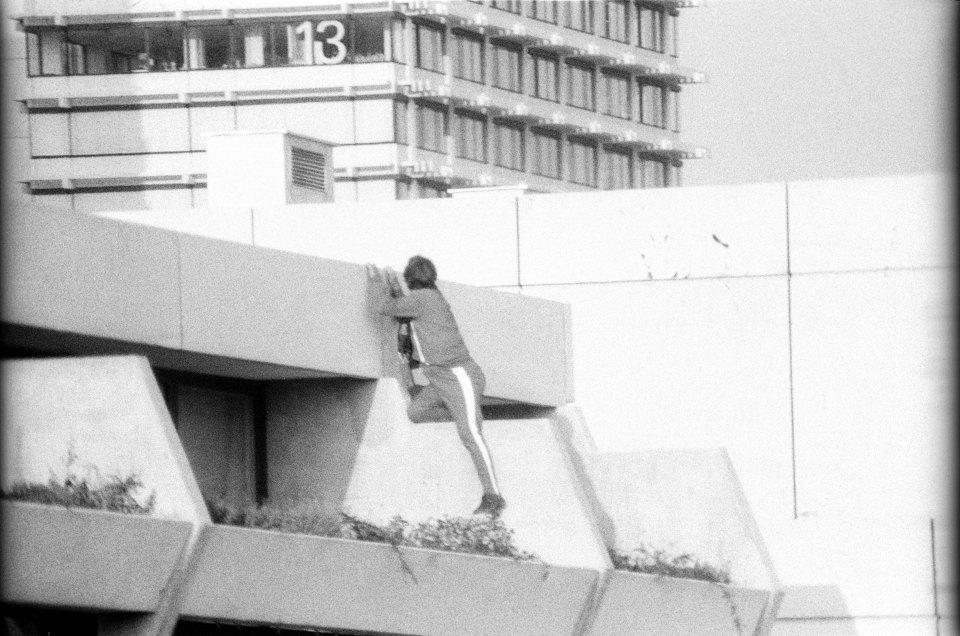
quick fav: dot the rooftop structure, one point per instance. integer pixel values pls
(625, 335)
(418, 97)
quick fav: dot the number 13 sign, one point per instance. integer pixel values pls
(322, 39)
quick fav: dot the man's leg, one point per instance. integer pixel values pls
(459, 394)
(427, 405)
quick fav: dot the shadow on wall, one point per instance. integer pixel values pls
(314, 432)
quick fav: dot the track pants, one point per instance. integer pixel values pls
(455, 392)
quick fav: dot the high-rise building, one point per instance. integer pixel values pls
(417, 97)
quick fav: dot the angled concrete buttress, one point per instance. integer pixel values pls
(96, 417)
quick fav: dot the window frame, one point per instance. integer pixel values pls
(538, 168)
(520, 165)
(589, 20)
(608, 77)
(608, 24)
(444, 118)
(592, 179)
(465, 36)
(622, 153)
(659, 27)
(660, 120)
(460, 147)
(420, 27)
(554, 62)
(574, 69)
(496, 74)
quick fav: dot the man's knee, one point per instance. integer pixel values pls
(416, 413)
(419, 413)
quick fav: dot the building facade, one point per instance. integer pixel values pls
(417, 97)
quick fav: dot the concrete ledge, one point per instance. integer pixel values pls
(89, 559)
(663, 606)
(478, 248)
(235, 225)
(296, 580)
(70, 272)
(141, 287)
(276, 307)
(871, 223)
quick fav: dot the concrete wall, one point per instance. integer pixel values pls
(97, 418)
(338, 584)
(802, 326)
(270, 313)
(813, 347)
(87, 559)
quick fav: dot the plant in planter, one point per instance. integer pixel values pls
(113, 493)
(472, 535)
(647, 560)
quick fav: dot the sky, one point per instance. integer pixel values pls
(814, 89)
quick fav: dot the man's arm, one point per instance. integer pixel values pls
(396, 301)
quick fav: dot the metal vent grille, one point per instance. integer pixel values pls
(309, 169)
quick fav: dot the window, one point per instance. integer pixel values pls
(618, 95)
(76, 59)
(97, 50)
(471, 136)
(651, 105)
(430, 41)
(506, 68)
(513, 6)
(510, 148)
(214, 47)
(583, 163)
(166, 46)
(544, 10)
(468, 58)
(583, 92)
(33, 54)
(651, 25)
(653, 174)
(52, 60)
(124, 48)
(615, 20)
(618, 170)
(675, 109)
(546, 154)
(365, 37)
(400, 122)
(432, 124)
(398, 38)
(545, 78)
(580, 15)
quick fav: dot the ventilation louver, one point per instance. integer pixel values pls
(308, 169)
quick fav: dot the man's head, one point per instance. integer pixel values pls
(420, 273)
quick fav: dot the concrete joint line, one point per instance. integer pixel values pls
(163, 621)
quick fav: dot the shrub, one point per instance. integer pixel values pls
(474, 535)
(300, 520)
(115, 494)
(647, 560)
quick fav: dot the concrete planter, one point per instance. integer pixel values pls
(658, 605)
(84, 558)
(274, 578)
